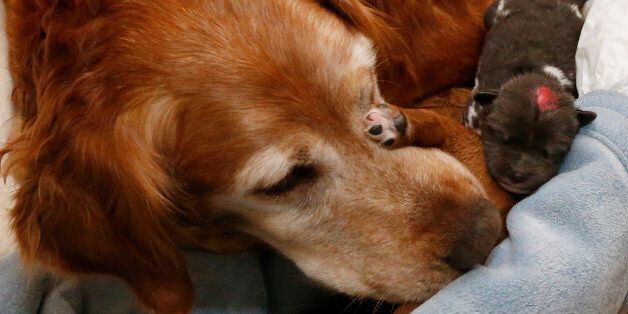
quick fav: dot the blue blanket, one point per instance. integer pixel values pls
(567, 252)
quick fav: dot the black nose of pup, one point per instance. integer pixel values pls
(516, 176)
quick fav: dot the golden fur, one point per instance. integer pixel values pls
(147, 126)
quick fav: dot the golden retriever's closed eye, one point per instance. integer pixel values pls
(150, 125)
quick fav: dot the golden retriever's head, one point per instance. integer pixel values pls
(151, 123)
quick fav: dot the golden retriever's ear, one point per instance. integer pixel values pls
(85, 206)
(94, 196)
(365, 19)
(87, 225)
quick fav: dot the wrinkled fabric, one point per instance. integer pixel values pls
(222, 284)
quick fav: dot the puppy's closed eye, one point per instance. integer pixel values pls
(297, 176)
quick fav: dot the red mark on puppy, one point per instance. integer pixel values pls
(546, 99)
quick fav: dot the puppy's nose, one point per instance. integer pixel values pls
(516, 176)
(478, 237)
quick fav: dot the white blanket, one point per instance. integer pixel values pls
(602, 55)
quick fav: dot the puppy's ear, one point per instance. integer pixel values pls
(485, 97)
(585, 117)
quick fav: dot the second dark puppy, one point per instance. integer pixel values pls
(523, 101)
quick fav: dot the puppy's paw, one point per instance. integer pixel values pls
(386, 125)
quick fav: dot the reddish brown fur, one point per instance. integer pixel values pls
(423, 47)
(112, 198)
(442, 43)
(103, 190)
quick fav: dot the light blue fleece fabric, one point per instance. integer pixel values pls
(567, 250)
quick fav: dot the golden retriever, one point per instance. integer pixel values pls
(146, 126)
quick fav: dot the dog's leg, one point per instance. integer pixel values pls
(392, 126)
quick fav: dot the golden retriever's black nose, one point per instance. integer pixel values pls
(477, 238)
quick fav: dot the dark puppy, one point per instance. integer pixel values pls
(523, 101)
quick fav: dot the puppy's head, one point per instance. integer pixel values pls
(527, 129)
(152, 119)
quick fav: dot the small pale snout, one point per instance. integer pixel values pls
(476, 237)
